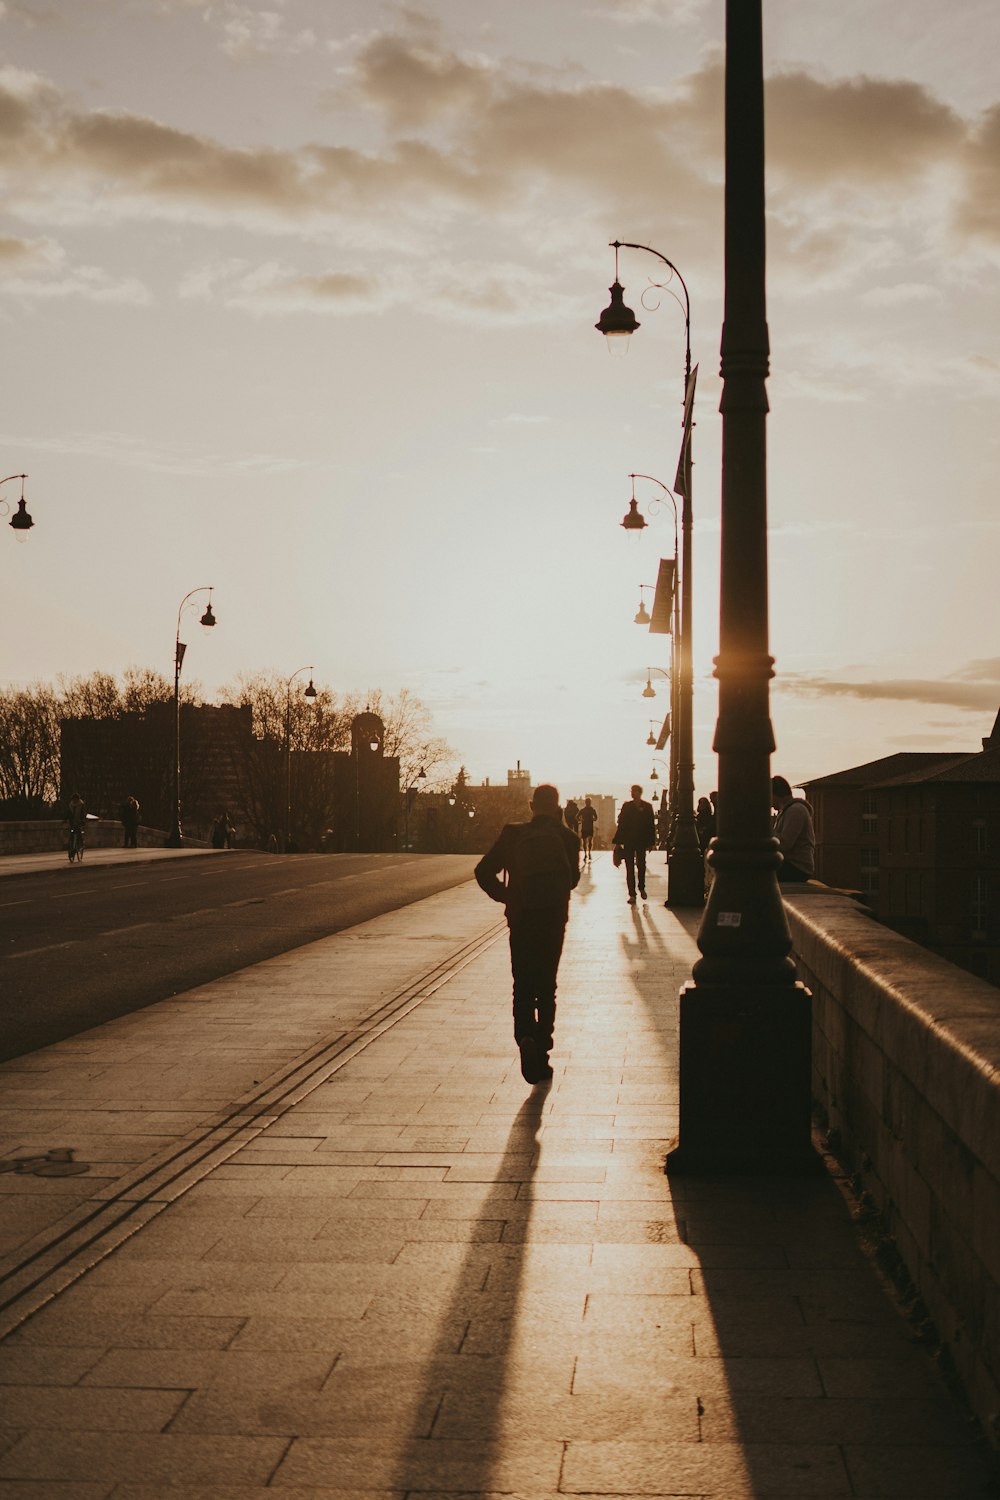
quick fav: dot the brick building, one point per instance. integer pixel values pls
(106, 760)
(919, 835)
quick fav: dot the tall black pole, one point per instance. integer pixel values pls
(288, 762)
(686, 872)
(744, 1021)
(174, 839)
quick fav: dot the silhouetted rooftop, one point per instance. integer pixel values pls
(903, 763)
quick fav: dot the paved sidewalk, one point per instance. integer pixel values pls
(376, 1263)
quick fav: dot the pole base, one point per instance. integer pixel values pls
(686, 878)
(745, 1081)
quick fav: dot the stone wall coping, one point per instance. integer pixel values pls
(938, 1024)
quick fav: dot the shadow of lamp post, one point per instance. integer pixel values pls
(310, 692)
(207, 621)
(20, 522)
(745, 1022)
(618, 322)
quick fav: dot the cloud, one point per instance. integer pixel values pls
(974, 688)
(272, 288)
(979, 210)
(859, 131)
(39, 269)
(466, 135)
(125, 448)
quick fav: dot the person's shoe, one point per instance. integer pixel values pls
(530, 1060)
(643, 895)
(631, 901)
(545, 1071)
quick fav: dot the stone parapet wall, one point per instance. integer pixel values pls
(906, 1073)
(45, 836)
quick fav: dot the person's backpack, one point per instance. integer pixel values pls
(541, 873)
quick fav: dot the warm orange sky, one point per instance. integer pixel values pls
(298, 300)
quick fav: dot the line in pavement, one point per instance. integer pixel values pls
(36, 1273)
(49, 948)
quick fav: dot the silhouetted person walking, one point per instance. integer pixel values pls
(704, 820)
(541, 860)
(793, 828)
(636, 832)
(587, 824)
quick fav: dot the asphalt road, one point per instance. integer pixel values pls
(82, 944)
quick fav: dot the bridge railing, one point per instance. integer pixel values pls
(906, 1077)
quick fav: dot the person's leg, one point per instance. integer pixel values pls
(630, 854)
(522, 972)
(640, 869)
(549, 946)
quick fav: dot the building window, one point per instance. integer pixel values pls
(869, 816)
(869, 872)
(980, 905)
(980, 842)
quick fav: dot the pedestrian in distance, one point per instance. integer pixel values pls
(222, 831)
(129, 814)
(793, 828)
(572, 816)
(586, 826)
(540, 861)
(704, 820)
(76, 817)
(636, 834)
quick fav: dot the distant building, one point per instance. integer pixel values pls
(366, 800)
(919, 835)
(106, 760)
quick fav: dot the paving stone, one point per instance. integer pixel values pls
(421, 1464)
(161, 1458)
(25, 1365)
(86, 1409)
(729, 1471)
(920, 1472)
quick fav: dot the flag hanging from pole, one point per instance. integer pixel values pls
(682, 479)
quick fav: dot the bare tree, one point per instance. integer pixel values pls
(292, 736)
(29, 750)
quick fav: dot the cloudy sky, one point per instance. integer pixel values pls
(297, 300)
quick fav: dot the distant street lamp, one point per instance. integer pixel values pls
(654, 774)
(642, 613)
(174, 838)
(20, 522)
(649, 690)
(617, 322)
(408, 790)
(310, 692)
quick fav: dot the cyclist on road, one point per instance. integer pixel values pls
(76, 816)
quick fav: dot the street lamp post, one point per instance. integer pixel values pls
(745, 1039)
(407, 791)
(618, 322)
(635, 521)
(174, 838)
(310, 692)
(20, 522)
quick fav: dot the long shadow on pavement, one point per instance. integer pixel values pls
(456, 1442)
